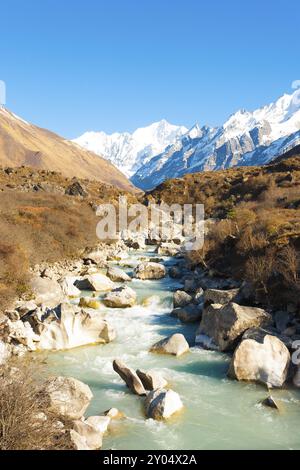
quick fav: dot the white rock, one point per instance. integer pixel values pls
(162, 404)
(120, 297)
(95, 282)
(101, 423)
(118, 275)
(90, 433)
(175, 345)
(68, 287)
(150, 270)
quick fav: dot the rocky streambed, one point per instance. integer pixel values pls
(113, 319)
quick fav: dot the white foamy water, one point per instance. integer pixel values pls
(219, 413)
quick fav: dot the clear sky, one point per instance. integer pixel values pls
(115, 65)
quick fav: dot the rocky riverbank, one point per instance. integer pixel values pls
(60, 317)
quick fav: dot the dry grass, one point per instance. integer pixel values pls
(22, 400)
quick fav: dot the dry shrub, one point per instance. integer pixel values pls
(259, 269)
(288, 265)
(22, 400)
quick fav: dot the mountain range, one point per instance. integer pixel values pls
(161, 151)
(22, 143)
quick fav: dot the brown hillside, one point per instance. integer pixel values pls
(22, 143)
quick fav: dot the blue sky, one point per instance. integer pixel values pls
(74, 65)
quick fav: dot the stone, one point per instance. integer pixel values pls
(101, 423)
(168, 249)
(76, 189)
(162, 404)
(181, 298)
(130, 377)
(96, 257)
(90, 433)
(264, 360)
(188, 314)
(95, 282)
(68, 287)
(22, 333)
(114, 413)
(5, 352)
(117, 275)
(281, 320)
(150, 270)
(25, 306)
(76, 441)
(122, 297)
(175, 272)
(175, 345)
(225, 324)
(68, 397)
(71, 327)
(215, 296)
(270, 402)
(151, 380)
(89, 303)
(46, 291)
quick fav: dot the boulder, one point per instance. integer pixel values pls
(70, 327)
(117, 275)
(114, 413)
(96, 257)
(90, 433)
(5, 352)
(168, 249)
(215, 296)
(122, 297)
(95, 282)
(162, 404)
(264, 359)
(270, 402)
(25, 306)
(150, 270)
(130, 377)
(189, 314)
(68, 287)
(22, 333)
(100, 423)
(75, 441)
(87, 302)
(151, 380)
(76, 189)
(175, 345)
(225, 324)
(46, 291)
(181, 298)
(67, 397)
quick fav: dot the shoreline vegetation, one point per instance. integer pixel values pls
(241, 291)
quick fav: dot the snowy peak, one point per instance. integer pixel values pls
(246, 138)
(129, 151)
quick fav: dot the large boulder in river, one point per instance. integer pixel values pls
(121, 297)
(95, 282)
(46, 291)
(130, 377)
(150, 270)
(69, 326)
(117, 275)
(181, 298)
(162, 404)
(175, 345)
(215, 296)
(68, 397)
(91, 435)
(189, 314)
(68, 287)
(151, 380)
(225, 324)
(263, 358)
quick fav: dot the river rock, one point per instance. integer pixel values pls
(224, 324)
(90, 433)
(75, 441)
(101, 423)
(270, 402)
(95, 282)
(175, 272)
(114, 413)
(68, 397)
(264, 360)
(5, 352)
(89, 303)
(25, 306)
(188, 314)
(175, 345)
(150, 270)
(130, 377)
(46, 291)
(117, 275)
(68, 287)
(151, 380)
(22, 333)
(71, 327)
(162, 404)
(122, 297)
(168, 249)
(215, 296)
(181, 298)
(96, 257)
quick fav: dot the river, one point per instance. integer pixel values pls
(218, 413)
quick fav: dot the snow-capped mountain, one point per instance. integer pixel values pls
(129, 152)
(247, 138)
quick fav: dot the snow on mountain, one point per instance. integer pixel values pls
(246, 138)
(129, 152)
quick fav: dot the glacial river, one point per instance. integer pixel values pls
(218, 413)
